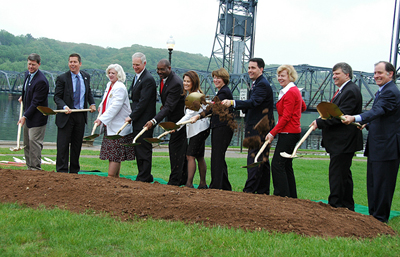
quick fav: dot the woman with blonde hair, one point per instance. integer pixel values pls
(114, 108)
(289, 106)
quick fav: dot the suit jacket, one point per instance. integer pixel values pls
(172, 99)
(336, 136)
(117, 109)
(144, 96)
(64, 96)
(260, 98)
(383, 143)
(223, 93)
(33, 96)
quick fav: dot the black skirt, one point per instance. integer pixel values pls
(197, 144)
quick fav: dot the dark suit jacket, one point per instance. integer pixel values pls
(336, 136)
(223, 93)
(144, 96)
(34, 96)
(64, 95)
(172, 99)
(260, 98)
(383, 143)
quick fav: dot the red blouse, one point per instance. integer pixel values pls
(289, 108)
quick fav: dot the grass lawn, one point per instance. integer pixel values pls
(40, 232)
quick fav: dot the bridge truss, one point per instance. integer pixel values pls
(316, 83)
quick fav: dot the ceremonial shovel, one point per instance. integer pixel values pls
(93, 135)
(134, 140)
(294, 155)
(157, 139)
(19, 132)
(256, 163)
(48, 111)
(169, 125)
(116, 136)
(328, 110)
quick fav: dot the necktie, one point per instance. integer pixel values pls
(377, 95)
(161, 85)
(136, 79)
(77, 93)
(337, 91)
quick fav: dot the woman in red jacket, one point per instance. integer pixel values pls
(290, 105)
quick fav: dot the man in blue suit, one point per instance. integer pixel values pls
(72, 92)
(259, 104)
(34, 93)
(383, 143)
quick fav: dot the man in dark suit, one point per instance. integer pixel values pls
(143, 96)
(173, 104)
(72, 92)
(341, 141)
(259, 104)
(34, 94)
(383, 143)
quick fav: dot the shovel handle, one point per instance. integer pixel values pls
(123, 126)
(19, 125)
(261, 150)
(164, 134)
(302, 140)
(95, 125)
(72, 110)
(353, 123)
(140, 133)
(183, 122)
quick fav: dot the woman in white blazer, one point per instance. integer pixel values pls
(114, 108)
(196, 132)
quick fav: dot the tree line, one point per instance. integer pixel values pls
(15, 49)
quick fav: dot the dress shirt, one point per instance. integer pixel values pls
(83, 88)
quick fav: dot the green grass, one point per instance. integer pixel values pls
(40, 232)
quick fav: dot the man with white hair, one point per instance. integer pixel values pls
(143, 94)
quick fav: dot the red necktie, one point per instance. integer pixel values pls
(334, 95)
(161, 85)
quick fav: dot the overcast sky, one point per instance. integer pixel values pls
(314, 32)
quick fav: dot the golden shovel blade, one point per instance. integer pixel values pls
(168, 125)
(194, 100)
(323, 109)
(254, 164)
(153, 140)
(87, 138)
(46, 110)
(14, 149)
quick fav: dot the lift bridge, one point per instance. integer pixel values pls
(316, 83)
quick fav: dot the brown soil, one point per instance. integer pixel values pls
(126, 199)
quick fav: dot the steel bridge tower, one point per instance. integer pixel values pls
(395, 44)
(234, 36)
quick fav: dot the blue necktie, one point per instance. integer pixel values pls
(77, 93)
(377, 95)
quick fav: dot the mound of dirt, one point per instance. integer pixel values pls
(126, 199)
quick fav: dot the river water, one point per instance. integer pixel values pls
(9, 107)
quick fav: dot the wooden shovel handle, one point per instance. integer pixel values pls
(140, 133)
(302, 140)
(72, 110)
(164, 134)
(261, 150)
(123, 126)
(95, 125)
(20, 125)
